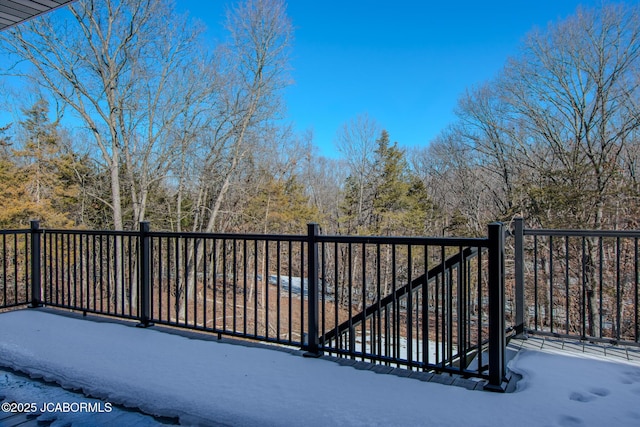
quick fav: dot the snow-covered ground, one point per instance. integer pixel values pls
(212, 383)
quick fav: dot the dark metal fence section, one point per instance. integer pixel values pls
(248, 286)
(15, 268)
(578, 283)
(419, 303)
(91, 271)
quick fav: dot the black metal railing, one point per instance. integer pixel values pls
(91, 271)
(249, 286)
(420, 303)
(443, 333)
(577, 283)
(15, 251)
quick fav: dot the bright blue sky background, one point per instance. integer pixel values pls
(404, 62)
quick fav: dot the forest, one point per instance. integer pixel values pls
(194, 137)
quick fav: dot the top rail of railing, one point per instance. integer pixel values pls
(581, 233)
(394, 240)
(429, 241)
(17, 231)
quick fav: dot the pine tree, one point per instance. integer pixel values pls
(391, 186)
(393, 201)
(42, 179)
(280, 206)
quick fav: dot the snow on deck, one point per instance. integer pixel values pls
(208, 382)
(18, 390)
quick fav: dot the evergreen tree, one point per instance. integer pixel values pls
(42, 178)
(279, 206)
(390, 195)
(393, 200)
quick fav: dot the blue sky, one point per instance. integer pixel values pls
(405, 63)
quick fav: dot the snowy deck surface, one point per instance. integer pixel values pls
(209, 382)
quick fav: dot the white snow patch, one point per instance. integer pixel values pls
(208, 382)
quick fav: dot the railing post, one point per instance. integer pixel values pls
(497, 341)
(519, 276)
(313, 346)
(144, 274)
(36, 277)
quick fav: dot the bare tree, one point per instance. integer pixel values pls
(253, 67)
(575, 92)
(357, 141)
(456, 184)
(323, 179)
(566, 112)
(486, 129)
(128, 76)
(252, 70)
(124, 72)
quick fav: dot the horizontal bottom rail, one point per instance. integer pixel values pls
(611, 341)
(406, 364)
